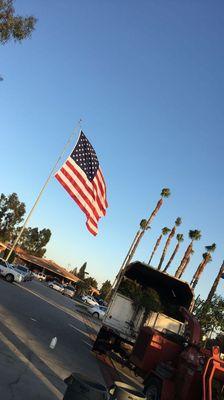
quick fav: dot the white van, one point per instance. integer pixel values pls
(40, 276)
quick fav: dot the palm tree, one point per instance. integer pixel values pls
(187, 262)
(180, 238)
(171, 235)
(219, 276)
(145, 224)
(165, 230)
(193, 235)
(206, 258)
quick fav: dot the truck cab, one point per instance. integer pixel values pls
(9, 272)
(126, 315)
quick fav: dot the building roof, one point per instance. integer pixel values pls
(50, 265)
(45, 263)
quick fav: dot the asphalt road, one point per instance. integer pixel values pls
(31, 315)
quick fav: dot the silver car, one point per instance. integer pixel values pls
(69, 291)
(56, 286)
(97, 311)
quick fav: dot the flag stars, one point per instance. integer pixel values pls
(85, 156)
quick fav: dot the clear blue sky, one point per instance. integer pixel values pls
(148, 78)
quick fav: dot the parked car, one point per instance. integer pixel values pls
(89, 300)
(78, 297)
(25, 271)
(10, 273)
(69, 291)
(40, 276)
(97, 311)
(100, 301)
(56, 286)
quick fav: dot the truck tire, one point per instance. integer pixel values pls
(96, 315)
(153, 389)
(9, 278)
(102, 342)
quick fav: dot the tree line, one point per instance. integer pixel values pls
(34, 240)
(86, 282)
(194, 235)
(12, 211)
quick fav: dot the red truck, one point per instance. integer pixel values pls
(165, 348)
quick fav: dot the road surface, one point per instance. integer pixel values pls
(31, 315)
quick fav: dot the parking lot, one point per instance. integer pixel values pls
(31, 315)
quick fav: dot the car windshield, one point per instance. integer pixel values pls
(70, 288)
(21, 268)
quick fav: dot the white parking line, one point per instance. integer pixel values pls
(52, 303)
(78, 330)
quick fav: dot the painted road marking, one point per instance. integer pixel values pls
(52, 303)
(29, 364)
(78, 330)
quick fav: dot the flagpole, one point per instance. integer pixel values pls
(77, 127)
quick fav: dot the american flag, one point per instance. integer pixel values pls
(81, 176)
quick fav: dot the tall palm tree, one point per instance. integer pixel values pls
(168, 241)
(206, 258)
(193, 235)
(186, 264)
(180, 238)
(145, 224)
(165, 230)
(219, 276)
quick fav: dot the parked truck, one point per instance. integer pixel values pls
(162, 345)
(125, 317)
(10, 273)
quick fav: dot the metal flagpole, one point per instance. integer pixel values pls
(78, 126)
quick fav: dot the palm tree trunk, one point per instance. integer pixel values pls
(171, 235)
(129, 251)
(155, 248)
(196, 275)
(179, 271)
(199, 275)
(199, 272)
(155, 211)
(172, 257)
(185, 266)
(215, 284)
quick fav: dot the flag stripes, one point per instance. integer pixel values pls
(85, 183)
